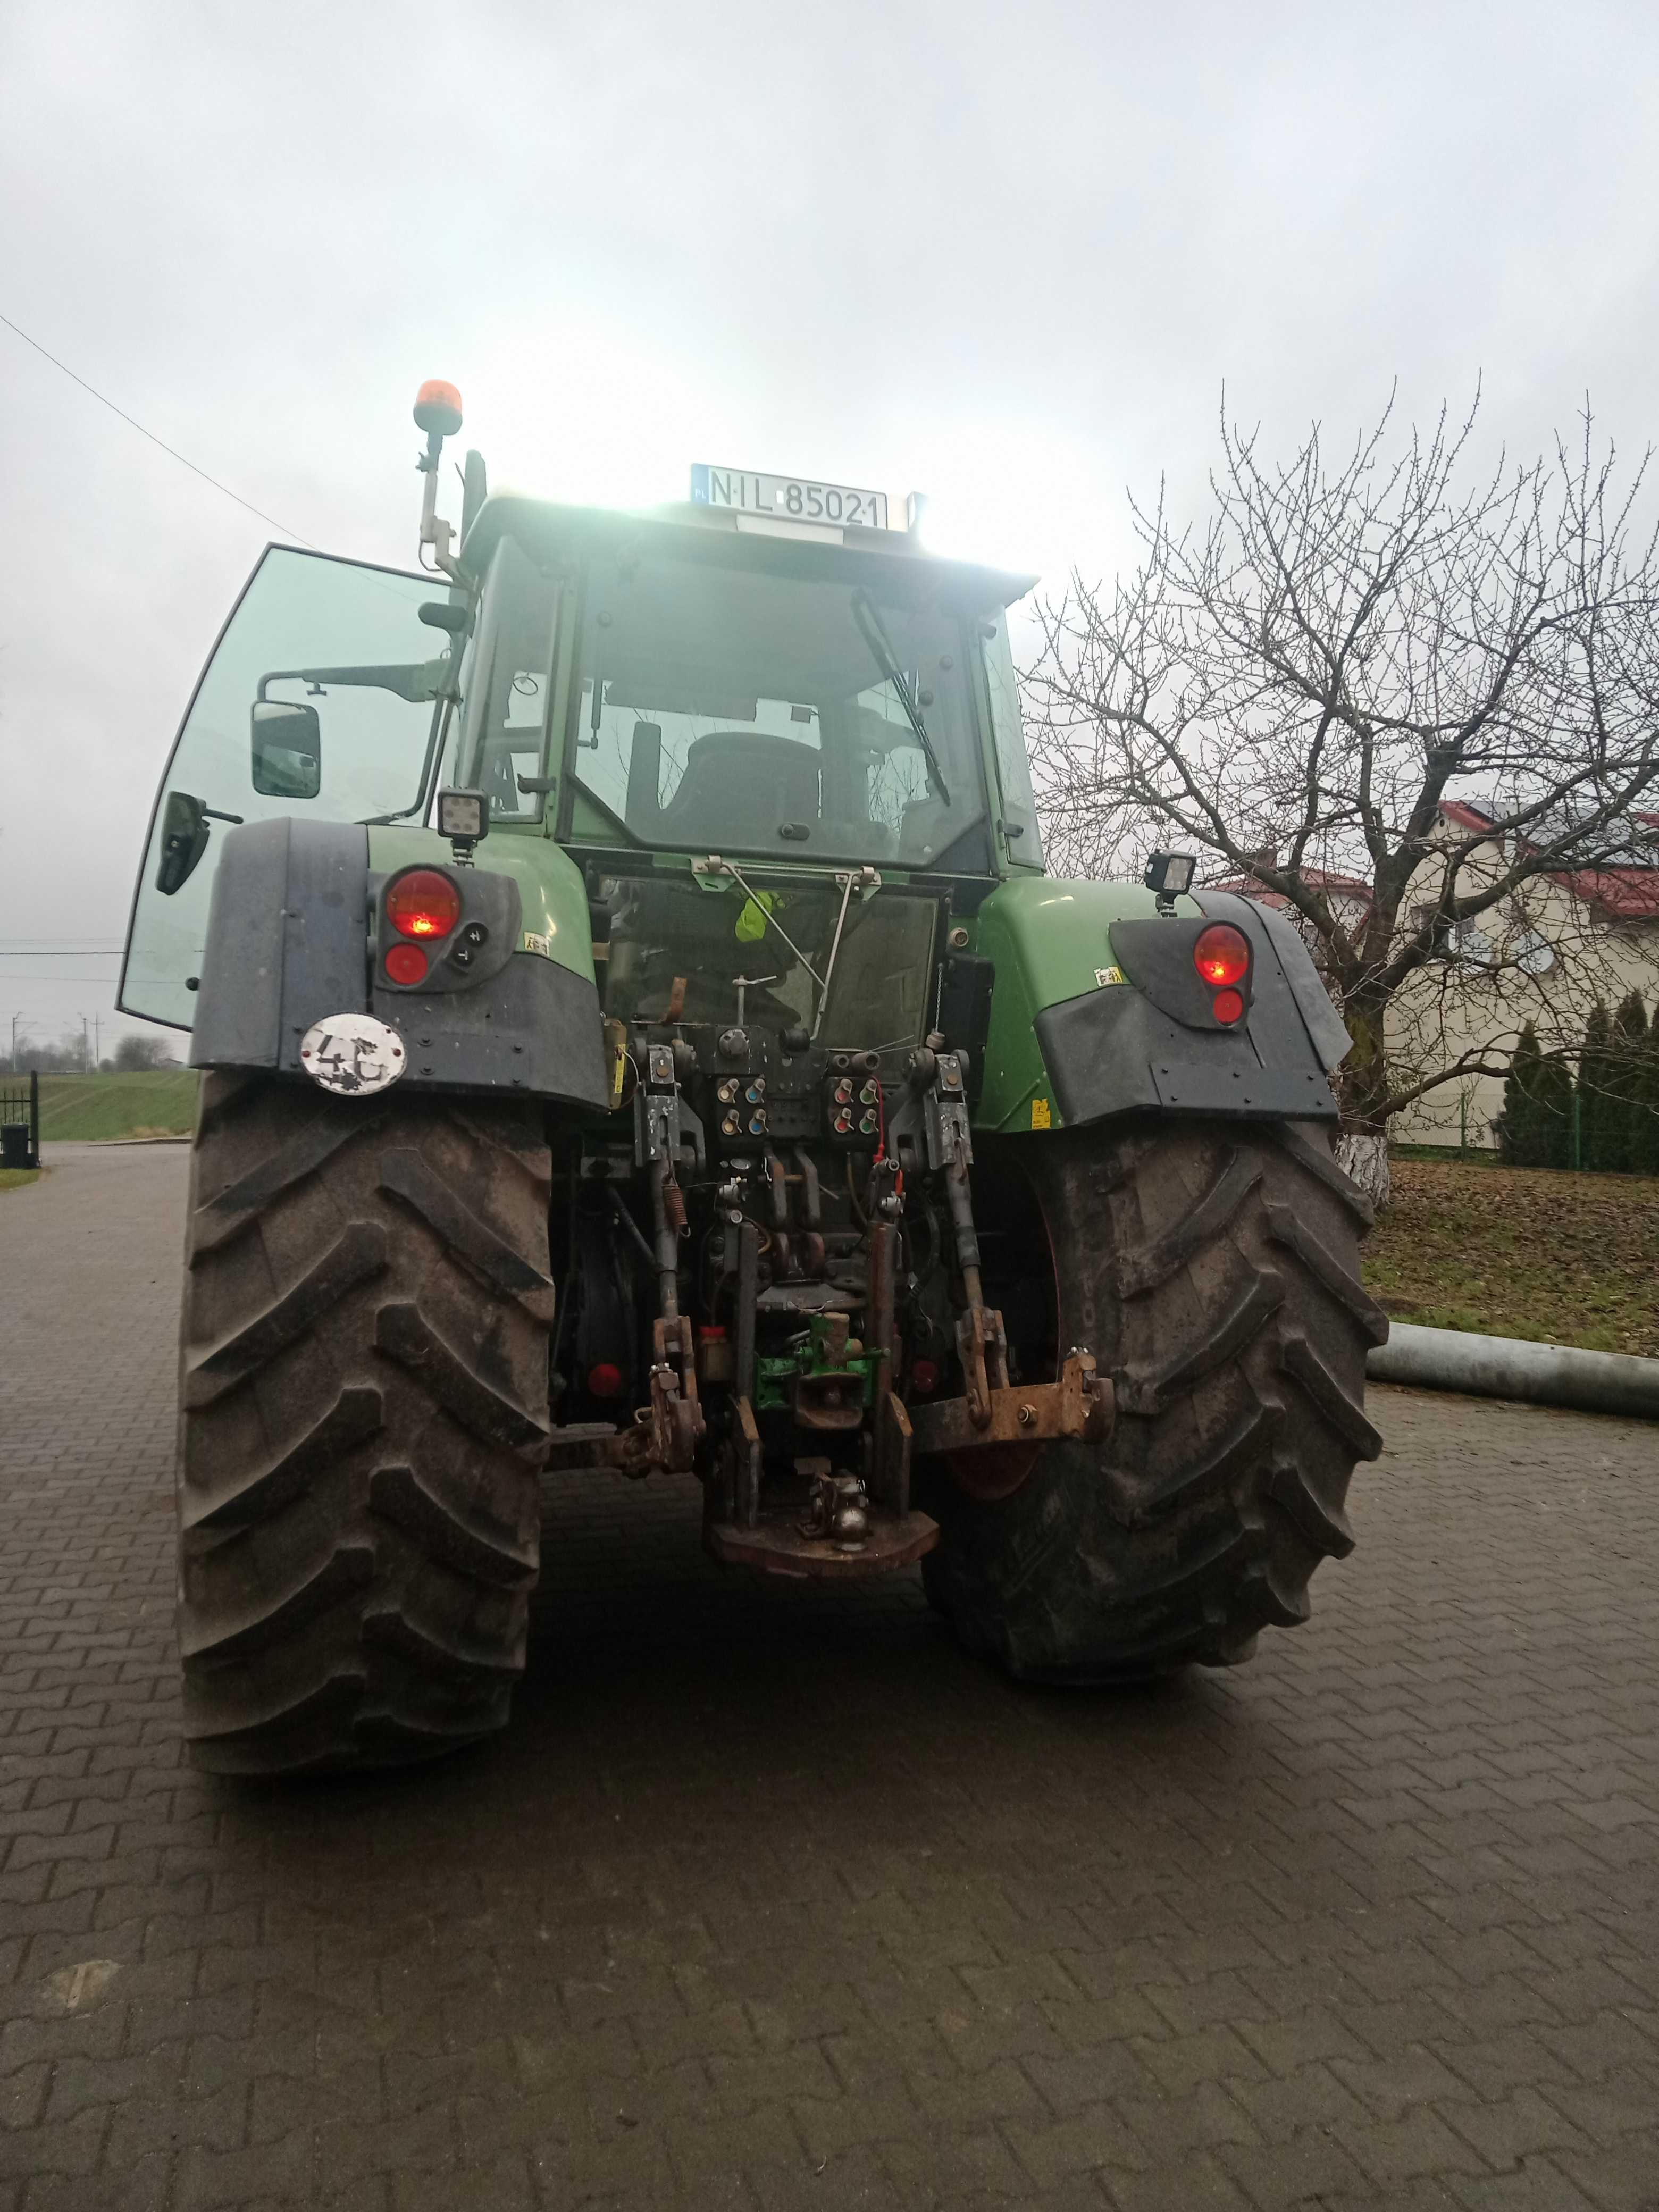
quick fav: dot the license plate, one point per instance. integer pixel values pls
(792, 499)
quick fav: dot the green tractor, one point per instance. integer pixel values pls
(641, 1036)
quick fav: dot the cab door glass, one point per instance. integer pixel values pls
(1013, 764)
(320, 700)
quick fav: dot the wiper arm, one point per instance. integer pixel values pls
(869, 626)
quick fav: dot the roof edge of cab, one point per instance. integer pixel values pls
(683, 527)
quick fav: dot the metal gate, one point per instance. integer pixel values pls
(20, 1122)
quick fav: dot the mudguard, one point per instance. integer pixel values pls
(1096, 1010)
(288, 943)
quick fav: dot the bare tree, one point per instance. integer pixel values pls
(1297, 684)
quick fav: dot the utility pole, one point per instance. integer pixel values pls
(84, 1045)
(97, 1041)
(15, 1020)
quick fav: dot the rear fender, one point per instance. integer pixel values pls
(1095, 1012)
(291, 941)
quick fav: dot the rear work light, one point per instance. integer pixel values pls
(1222, 955)
(422, 904)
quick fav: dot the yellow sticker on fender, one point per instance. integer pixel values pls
(532, 943)
(1041, 1114)
(1105, 976)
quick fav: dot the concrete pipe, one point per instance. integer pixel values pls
(1510, 1367)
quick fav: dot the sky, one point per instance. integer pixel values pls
(1011, 256)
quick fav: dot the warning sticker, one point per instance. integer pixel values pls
(1105, 976)
(534, 943)
(1041, 1114)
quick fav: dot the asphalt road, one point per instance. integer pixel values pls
(773, 1899)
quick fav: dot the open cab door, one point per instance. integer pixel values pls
(324, 697)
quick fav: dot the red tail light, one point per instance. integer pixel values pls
(406, 963)
(1228, 1006)
(422, 903)
(604, 1380)
(924, 1377)
(1222, 955)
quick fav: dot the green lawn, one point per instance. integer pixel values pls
(15, 1178)
(1530, 1252)
(159, 1102)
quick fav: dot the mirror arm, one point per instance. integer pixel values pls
(414, 680)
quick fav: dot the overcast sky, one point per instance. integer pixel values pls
(1008, 254)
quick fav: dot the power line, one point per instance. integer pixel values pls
(150, 434)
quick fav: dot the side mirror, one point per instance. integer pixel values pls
(287, 750)
(183, 840)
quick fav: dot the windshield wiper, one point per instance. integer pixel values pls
(869, 625)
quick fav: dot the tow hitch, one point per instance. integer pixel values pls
(990, 1457)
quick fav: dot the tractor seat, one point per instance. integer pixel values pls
(742, 785)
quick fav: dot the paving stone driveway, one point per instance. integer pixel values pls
(774, 1902)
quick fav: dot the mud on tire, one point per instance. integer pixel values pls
(363, 1410)
(1213, 1270)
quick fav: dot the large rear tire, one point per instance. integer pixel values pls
(1213, 1270)
(363, 1393)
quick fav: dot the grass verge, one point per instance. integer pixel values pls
(1556, 1258)
(154, 1103)
(15, 1178)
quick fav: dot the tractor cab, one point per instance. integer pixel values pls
(658, 687)
(675, 683)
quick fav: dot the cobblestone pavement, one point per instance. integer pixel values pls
(774, 1902)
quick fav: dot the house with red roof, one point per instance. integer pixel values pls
(1568, 937)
